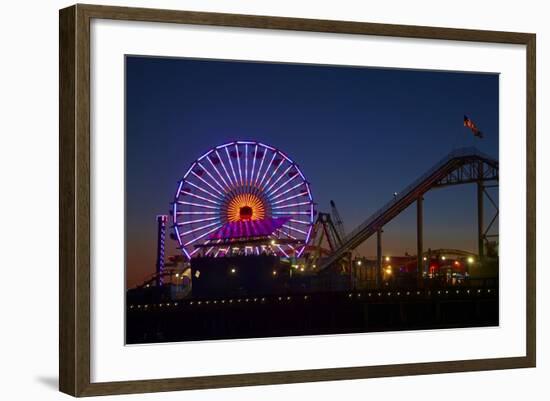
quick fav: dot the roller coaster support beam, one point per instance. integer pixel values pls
(378, 257)
(480, 233)
(161, 234)
(419, 239)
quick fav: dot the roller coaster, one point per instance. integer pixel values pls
(462, 166)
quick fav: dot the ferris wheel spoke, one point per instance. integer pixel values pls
(295, 229)
(284, 184)
(199, 197)
(308, 236)
(260, 168)
(291, 205)
(212, 177)
(232, 168)
(224, 169)
(202, 236)
(197, 221)
(286, 234)
(246, 165)
(290, 198)
(282, 250)
(299, 253)
(206, 182)
(305, 223)
(194, 230)
(287, 191)
(279, 164)
(239, 164)
(277, 180)
(217, 171)
(194, 252)
(212, 247)
(204, 190)
(253, 164)
(266, 170)
(196, 204)
(292, 213)
(195, 213)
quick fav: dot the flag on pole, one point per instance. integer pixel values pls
(470, 124)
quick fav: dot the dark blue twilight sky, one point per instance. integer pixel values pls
(358, 134)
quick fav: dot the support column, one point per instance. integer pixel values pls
(480, 189)
(379, 258)
(419, 240)
(161, 233)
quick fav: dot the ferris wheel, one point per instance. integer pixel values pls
(245, 197)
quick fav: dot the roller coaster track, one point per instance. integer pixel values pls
(462, 166)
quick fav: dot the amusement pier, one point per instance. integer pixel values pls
(259, 260)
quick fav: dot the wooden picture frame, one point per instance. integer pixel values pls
(74, 205)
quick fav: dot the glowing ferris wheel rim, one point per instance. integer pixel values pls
(243, 181)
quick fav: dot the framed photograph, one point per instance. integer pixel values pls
(262, 200)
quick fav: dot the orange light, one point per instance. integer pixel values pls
(244, 207)
(457, 263)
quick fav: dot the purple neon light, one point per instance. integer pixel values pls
(198, 229)
(294, 229)
(199, 197)
(309, 192)
(179, 189)
(239, 163)
(188, 171)
(206, 182)
(300, 222)
(212, 177)
(282, 250)
(291, 205)
(278, 179)
(196, 204)
(186, 253)
(283, 185)
(290, 198)
(200, 236)
(274, 173)
(174, 212)
(231, 165)
(286, 234)
(246, 164)
(225, 145)
(253, 164)
(290, 213)
(184, 223)
(266, 170)
(204, 190)
(286, 157)
(252, 228)
(224, 168)
(259, 169)
(204, 155)
(219, 174)
(186, 213)
(267, 146)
